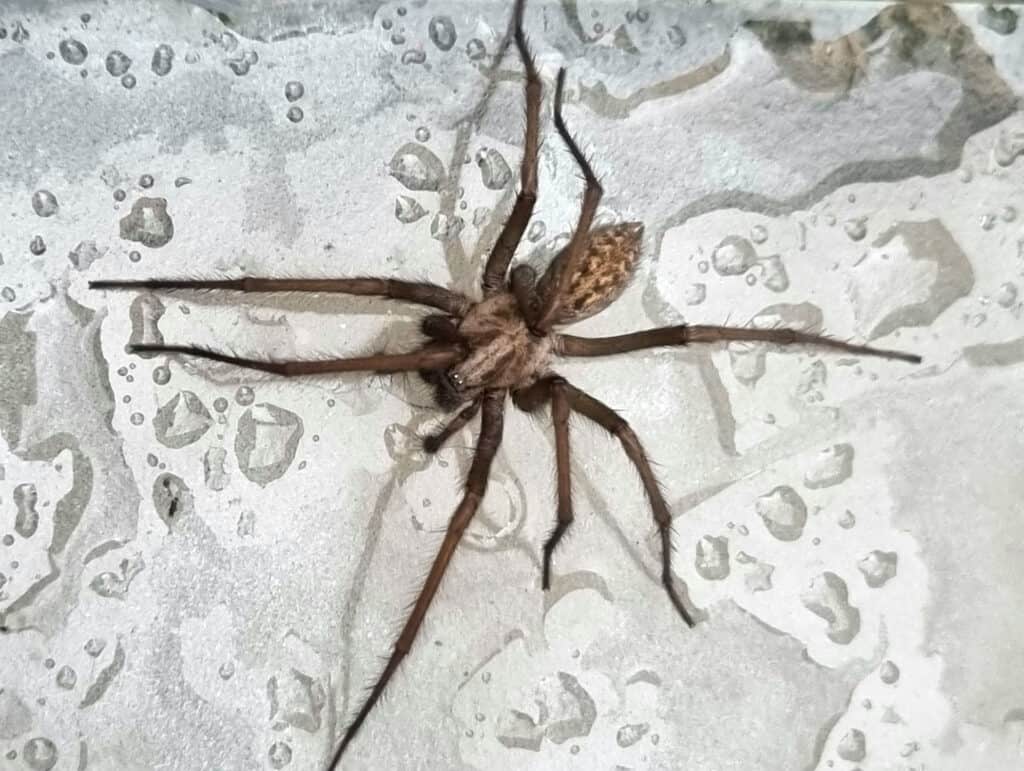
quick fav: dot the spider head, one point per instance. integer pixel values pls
(449, 387)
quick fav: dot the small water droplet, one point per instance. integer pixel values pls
(44, 203)
(72, 51)
(20, 34)
(280, 755)
(486, 677)
(759, 234)
(397, 39)
(162, 375)
(494, 170)
(475, 49)
(852, 746)
(988, 221)
(536, 231)
(408, 210)
(163, 59)
(733, 256)
(293, 90)
(966, 175)
(94, 647)
(414, 56)
(66, 678)
(146, 180)
(244, 396)
(117, 63)
(182, 181)
(295, 113)
(128, 81)
(37, 245)
(889, 672)
(119, 195)
(134, 256)
(856, 229)
(442, 32)
(226, 670)
(137, 419)
(422, 134)
(1008, 214)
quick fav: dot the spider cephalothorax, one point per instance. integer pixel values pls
(504, 344)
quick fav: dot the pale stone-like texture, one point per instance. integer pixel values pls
(200, 568)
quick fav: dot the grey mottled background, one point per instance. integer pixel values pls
(201, 568)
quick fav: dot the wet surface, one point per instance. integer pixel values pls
(224, 556)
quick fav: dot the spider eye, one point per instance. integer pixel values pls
(456, 379)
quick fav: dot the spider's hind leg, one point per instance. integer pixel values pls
(529, 399)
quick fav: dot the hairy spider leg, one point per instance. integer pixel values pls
(476, 484)
(529, 399)
(434, 442)
(683, 334)
(422, 293)
(426, 358)
(512, 233)
(574, 253)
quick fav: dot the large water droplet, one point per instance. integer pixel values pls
(733, 256)
(416, 167)
(182, 420)
(783, 512)
(775, 277)
(44, 203)
(40, 754)
(72, 51)
(828, 598)
(266, 442)
(148, 223)
(853, 746)
(878, 567)
(408, 210)
(712, 563)
(442, 32)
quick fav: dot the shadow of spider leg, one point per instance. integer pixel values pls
(565, 397)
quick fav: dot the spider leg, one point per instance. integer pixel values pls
(433, 442)
(524, 280)
(421, 293)
(529, 399)
(442, 328)
(570, 345)
(611, 421)
(476, 484)
(576, 250)
(426, 358)
(501, 255)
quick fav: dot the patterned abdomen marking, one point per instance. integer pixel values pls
(612, 253)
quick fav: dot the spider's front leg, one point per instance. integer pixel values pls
(476, 484)
(553, 389)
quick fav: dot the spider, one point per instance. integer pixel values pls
(479, 351)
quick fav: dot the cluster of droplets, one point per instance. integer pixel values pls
(293, 92)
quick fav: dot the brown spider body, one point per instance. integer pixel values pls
(480, 352)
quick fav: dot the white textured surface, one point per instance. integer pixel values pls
(849, 529)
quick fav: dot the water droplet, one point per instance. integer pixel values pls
(8, 540)
(1008, 214)
(280, 754)
(775, 276)
(475, 49)
(443, 227)
(72, 51)
(293, 90)
(40, 754)
(442, 32)
(182, 420)
(117, 63)
(8, 294)
(988, 221)
(146, 180)
(828, 598)
(94, 647)
(422, 134)
(295, 113)
(889, 672)
(1009, 145)
(44, 203)
(266, 442)
(148, 223)
(759, 234)
(676, 34)
(119, 195)
(416, 167)
(128, 81)
(226, 670)
(400, 10)
(751, 279)
(66, 678)
(494, 170)
(162, 375)
(783, 512)
(20, 34)
(408, 210)
(712, 562)
(878, 567)
(134, 256)
(847, 520)
(966, 175)
(852, 746)
(37, 245)
(163, 59)
(733, 256)
(630, 734)
(856, 229)
(414, 56)
(244, 396)
(1002, 21)
(832, 466)
(137, 419)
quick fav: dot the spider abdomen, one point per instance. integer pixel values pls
(610, 258)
